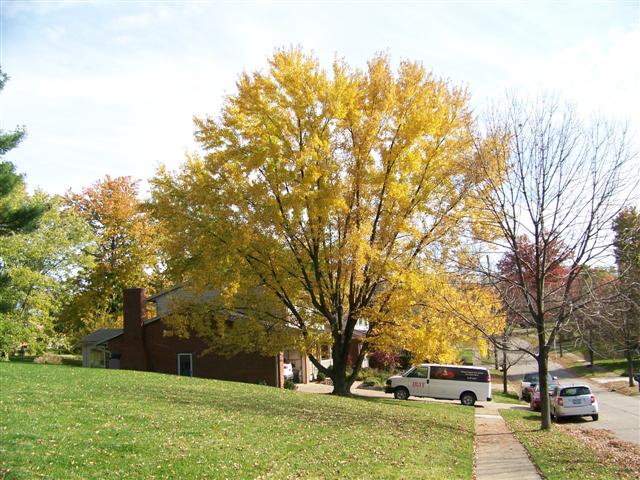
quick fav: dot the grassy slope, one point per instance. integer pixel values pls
(558, 454)
(602, 368)
(68, 422)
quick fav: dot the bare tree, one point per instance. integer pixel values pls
(556, 185)
(509, 356)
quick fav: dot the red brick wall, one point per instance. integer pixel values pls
(162, 357)
(135, 311)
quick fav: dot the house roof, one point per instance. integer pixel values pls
(102, 335)
(153, 298)
(105, 334)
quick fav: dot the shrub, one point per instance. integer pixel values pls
(383, 360)
(49, 359)
(321, 377)
(290, 385)
(373, 382)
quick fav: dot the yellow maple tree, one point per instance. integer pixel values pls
(324, 198)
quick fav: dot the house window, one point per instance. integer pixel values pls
(185, 364)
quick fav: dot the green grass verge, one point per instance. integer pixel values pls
(559, 455)
(497, 395)
(466, 356)
(602, 367)
(509, 397)
(62, 422)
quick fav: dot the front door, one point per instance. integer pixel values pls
(185, 364)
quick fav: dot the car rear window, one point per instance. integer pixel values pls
(575, 391)
(459, 373)
(531, 377)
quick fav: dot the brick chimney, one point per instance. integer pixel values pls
(134, 356)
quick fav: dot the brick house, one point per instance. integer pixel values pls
(142, 345)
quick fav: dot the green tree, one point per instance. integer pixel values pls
(40, 265)
(18, 212)
(9, 140)
(327, 201)
(627, 249)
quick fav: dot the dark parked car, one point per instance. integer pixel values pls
(534, 403)
(529, 382)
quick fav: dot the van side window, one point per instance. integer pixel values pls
(459, 373)
(419, 372)
(443, 373)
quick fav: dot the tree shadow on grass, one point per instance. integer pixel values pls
(273, 404)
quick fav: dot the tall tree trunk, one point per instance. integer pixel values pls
(341, 384)
(495, 356)
(628, 348)
(338, 372)
(543, 370)
(504, 372)
(560, 344)
(630, 368)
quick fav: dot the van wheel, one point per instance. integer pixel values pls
(468, 399)
(595, 417)
(401, 393)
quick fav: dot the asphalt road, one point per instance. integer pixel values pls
(618, 413)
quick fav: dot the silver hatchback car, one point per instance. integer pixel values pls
(573, 401)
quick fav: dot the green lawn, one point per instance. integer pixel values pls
(498, 396)
(558, 454)
(63, 422)
(603, 367)
(466, 356)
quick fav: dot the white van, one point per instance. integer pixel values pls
(449, 382)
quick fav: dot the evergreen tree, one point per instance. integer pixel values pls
(17, 212)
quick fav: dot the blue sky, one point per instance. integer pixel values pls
(111, 87)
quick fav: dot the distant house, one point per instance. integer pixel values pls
(142, 345)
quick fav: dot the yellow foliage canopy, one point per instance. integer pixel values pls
(338, 196)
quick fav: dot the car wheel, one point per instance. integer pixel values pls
(401, 393)
(468, 399)
(595, 417)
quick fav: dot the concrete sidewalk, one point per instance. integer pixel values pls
(498, 453)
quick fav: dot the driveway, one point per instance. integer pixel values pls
(618, 413)
(365, 392)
